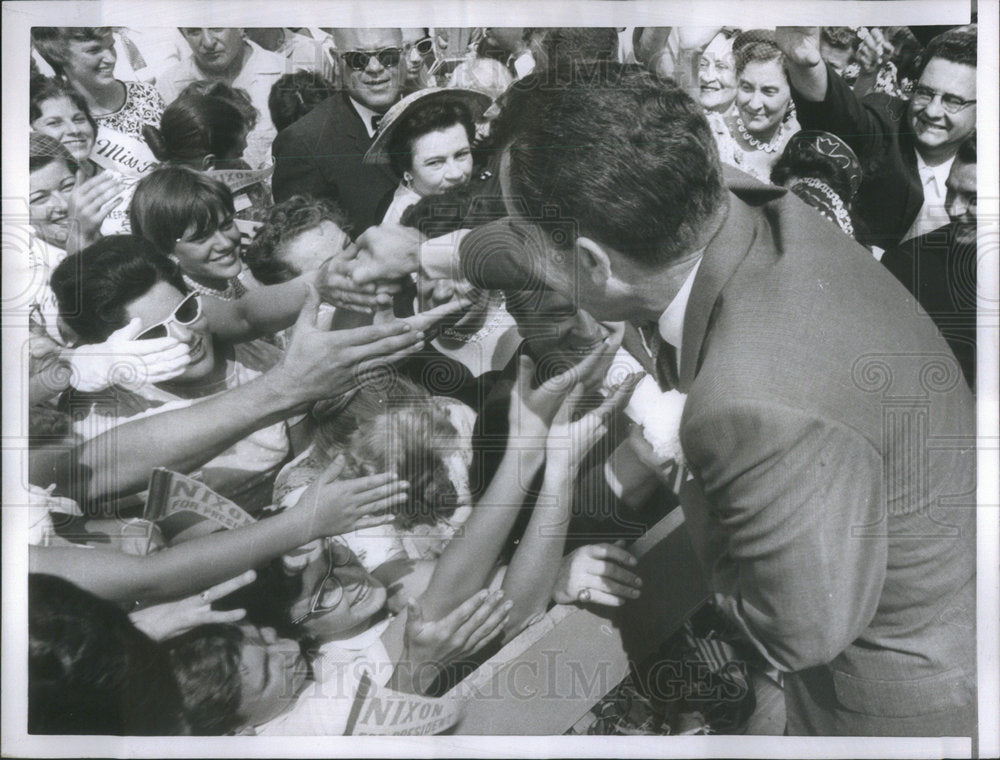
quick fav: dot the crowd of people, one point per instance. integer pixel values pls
(453, 315)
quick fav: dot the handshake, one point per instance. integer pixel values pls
(371, 272)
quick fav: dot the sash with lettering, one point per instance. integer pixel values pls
(130, 159)
(378, 711)
(184, 508)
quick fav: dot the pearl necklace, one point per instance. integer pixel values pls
(234, 290)
(768, 147)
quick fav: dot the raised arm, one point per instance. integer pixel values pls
(806, 71)
(318, 364)
(328, 507)
(533, 569)
(468, 561)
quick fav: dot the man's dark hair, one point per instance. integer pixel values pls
(629, 161)
(52, 42)
(94, 286)
(172, 198)
(424, 119)
(43, 89)
(283, 223)
(967, 150)
(91, 671)
(956, 45)
(206, 663)
(294, 95)
(580, 44)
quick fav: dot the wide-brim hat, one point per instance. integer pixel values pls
(378, 153)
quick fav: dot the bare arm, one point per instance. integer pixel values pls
(178, 570)
(328, 507)
(261, 311)
(535, 565)
(467, 561)
(318, 364)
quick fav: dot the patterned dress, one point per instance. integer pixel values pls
(143, 105)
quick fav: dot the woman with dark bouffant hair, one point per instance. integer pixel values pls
(206, 129)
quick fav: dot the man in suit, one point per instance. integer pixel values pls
(829, 434)
(320, 154)
(939, 267)
(906, 147)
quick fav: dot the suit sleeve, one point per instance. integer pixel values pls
(866, 124)
(296, 170)
(784, 494)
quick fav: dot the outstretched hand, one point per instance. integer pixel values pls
(161, 621)
(532, 408)
(335, 286)
(92, 200)
(385, 252)
(572, 435)
(597, 574)
(429, 646)
(800, 44)
(322, 364)
(340, 506)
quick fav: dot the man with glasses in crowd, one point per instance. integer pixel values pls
(906, 148)
(321, 154)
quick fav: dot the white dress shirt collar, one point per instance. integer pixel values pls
(671, 321)
(366, 115)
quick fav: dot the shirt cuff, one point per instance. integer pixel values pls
(439, 257)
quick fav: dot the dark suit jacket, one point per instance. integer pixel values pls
(832, 442)
(320, 155)
(876, 127)
(940, 272)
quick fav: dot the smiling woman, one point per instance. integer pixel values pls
(60, 112)
(754, 134)
(122, 278)
(84, 58)
(189, 218)
(427, 140)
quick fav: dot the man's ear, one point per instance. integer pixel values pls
(208, 162)
(593, 261)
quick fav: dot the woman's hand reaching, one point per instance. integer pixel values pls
(340, 506)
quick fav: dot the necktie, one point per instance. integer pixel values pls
(375, 122)
(664, 356)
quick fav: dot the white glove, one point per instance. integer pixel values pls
(120, 360)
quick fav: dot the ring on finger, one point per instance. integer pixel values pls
(204, 596)
(584, 595)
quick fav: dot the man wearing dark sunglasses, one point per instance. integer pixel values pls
(320, 154)
(418, 52)
(907, 147)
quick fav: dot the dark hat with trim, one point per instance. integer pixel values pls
(821, 143)
(378, 153)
